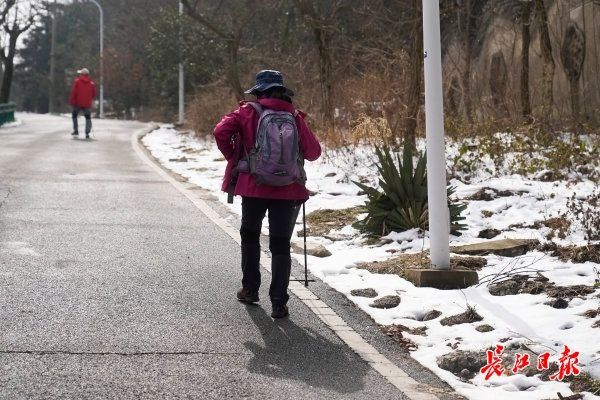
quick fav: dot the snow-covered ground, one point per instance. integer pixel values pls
(521, 318)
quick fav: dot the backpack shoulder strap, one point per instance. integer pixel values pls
(259, 109)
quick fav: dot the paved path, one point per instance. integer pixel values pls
(114, 285)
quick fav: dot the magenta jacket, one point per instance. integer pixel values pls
(243, 122)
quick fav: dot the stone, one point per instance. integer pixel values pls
(313, 249)
(180, 159)
(559, 303)
(441, 278)
(369, 292)
(460, 360)
(488, 233)
(465, 374)
(464, 318)
(503, 247)
(330, 175)
(386, 302)
(505, 288)
(433, 314)
(484, 328)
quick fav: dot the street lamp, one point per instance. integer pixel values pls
(439, 216)
(181, 76)
(101, 57)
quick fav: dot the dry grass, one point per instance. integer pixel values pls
(321, 222)
(208, 106)
(399, 264)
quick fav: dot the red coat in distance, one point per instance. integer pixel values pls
(82, 92)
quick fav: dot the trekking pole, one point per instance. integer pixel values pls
(305, 257)
(305, 280)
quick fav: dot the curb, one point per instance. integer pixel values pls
(412, 389)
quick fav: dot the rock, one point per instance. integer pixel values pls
(545, 176)
(330, 175)
(336, 237)
(313, 249)
(596, 324)
(534, 287)
(503, 247)
(312, 192)
(483, 194)
(180, 159)
(433, 314)
(369, 292)
(386, 302)
(506, 288)
(219, 159)
(385, 240)
(489, 233)
(334, 193)
(464, 318)
(460, 360)
(484, 328)
(558, 303)
(465, 374)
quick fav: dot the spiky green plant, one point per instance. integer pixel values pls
(403, 203)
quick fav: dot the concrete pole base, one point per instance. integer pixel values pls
(442, 278)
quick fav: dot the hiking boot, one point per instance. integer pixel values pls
(247, 296)
(74, 133)
(87, 136)
(280, 311)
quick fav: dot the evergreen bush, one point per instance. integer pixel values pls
(403, 203)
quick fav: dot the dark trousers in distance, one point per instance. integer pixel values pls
(282, 217)
(88, 119)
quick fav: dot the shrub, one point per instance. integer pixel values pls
(403, 203)
(587, 213)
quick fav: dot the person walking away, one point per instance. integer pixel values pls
(82, 94)
(275, 187)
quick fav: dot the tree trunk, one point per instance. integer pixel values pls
(233, 75)
(325, 73)
(526, 39)
(415, 77)
(466, 78)
(9, 68)
(549, 66)
(319, 25)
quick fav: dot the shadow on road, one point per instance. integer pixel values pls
(291, 352)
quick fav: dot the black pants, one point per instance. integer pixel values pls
(88, 119)
(282, 217)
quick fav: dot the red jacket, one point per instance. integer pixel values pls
(244, 121)
(82, 92)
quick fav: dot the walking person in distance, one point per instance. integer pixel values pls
(265, 143)
(82, 94)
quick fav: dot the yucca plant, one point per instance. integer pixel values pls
(403, 203)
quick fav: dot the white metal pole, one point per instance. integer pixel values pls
(181, 73)
(101, 111)
(439, 217)
(51, 94)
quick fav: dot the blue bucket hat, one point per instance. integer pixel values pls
(267, 79)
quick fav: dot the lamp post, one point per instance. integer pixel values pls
(181, 73)
(439, 215)
(51, 104)
(101, 57)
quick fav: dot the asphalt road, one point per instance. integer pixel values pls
(113, 285)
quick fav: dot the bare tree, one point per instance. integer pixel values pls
(549, 66)
(465, 22)
(5, 6)
(415, 75)
(229, 28)
(18, 18)
(322, 22)
(526, 40)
